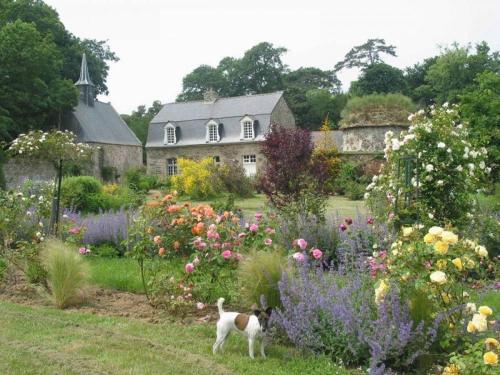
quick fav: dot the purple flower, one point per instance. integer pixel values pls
(343, 227)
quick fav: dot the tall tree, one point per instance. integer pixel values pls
(260, 70)
(47, 22)
(298, 83)
(366, 54)
(139, 120)
(456, 68)
(416, 86)
(378, 78)
(32, 91)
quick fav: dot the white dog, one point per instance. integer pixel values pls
(252, 326)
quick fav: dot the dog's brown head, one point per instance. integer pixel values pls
(263, 317)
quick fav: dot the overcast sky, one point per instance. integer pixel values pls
(160, 41)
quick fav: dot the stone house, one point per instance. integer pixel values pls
(93, 122)
(229, 130)
(98, 124)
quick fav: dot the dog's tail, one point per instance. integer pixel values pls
(220, 301)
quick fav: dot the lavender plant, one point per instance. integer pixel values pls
(335, 313)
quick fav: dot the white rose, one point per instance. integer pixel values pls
(438, 277)
(435, 231)
(470, 308)
(460, 168)
(481, 251)
(441, 145)
(429, 167)
(480, 322)
(482, 165)
(440, 182)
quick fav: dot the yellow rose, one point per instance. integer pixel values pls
(490, 358)
(435, 231)
(441, 247)
(449, 237)
(429, 238)
(485, 310)
(491, 342)
(457, 262)
(441, 263)
(381, 291)
(438, 277)
(471, 327)
(469, 263)
(451, 370)
(407, 231)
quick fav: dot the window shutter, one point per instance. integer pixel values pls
(219, 132)
(177, 133)
(207, 135)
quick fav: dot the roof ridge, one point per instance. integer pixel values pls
(228, 97)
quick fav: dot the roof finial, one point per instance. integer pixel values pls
(84, 73)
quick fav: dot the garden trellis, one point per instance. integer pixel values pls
(408, 185)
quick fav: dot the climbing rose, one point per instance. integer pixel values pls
(189, 267)
(299, 257)
(302, 243)
(226, 254)
(317, 253)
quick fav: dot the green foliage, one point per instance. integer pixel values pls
(35, 272)
(108, 173)
(32, 91)
(67, 273)
(2, 175)
(354, 190)
(480, 107)
(456, 68)
(377, 109)
(365, 55)
(106, 250)
(232, 179)
(139, 120)
(40, 60)
(115, 273)
(224, 204)
(258, 275)
(3, 268)
(378, 78)
(137, 179)
(83, 193)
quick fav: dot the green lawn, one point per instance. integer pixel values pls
(41, 340)
(115, 273)
(335, 205)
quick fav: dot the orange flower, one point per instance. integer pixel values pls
(152, 203)
(198, 228)
(161, 252)
(177, 245)
(167, 198)
(181, 221)
(173, 209)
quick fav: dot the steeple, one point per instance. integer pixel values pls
(85, 85)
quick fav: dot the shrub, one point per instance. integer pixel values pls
(444, 176)
(35, 272)
(137, 179)
(258, 275)
(195, 178)
(377, 109)
(355, 191)
(3, 268)
(109, 174)
(233, 180)
(66, 271)
(84, 193)
(106, 250)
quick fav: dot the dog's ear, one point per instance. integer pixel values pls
(256, 312)
(269, 310)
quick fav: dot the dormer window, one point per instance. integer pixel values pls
(170, 137)
(213, 131)
(247, 128)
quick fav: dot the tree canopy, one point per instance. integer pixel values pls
(366, 54)
(39, 62)
(378, 78)
(139, 120)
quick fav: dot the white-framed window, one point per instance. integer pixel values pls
(170, 137)
(213, 131)
(250, 165)
(247, 128)
(172, 166)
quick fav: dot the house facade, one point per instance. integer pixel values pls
(229, 130)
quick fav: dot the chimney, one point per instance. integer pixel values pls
(210, 95)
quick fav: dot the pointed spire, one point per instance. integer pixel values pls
(84, 73)
(85, 85)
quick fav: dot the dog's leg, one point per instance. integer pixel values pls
(262, 349)
(221, 336)
(251, 342)
(223, 342)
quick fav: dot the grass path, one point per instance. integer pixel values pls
(41, 340)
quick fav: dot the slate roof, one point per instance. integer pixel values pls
(100, 123)
(334, 135)
(190, 119)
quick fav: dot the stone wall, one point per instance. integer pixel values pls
(18, 170)
(157, 157)
(367, 138)
(120, 157)
(282, 114)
